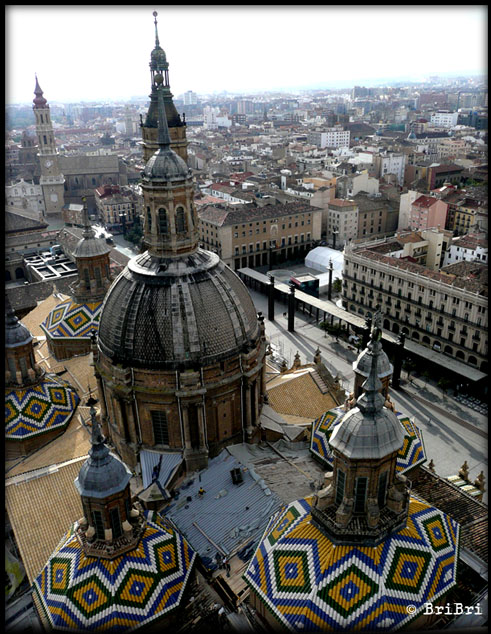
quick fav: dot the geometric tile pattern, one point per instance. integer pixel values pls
(39, 408)
(70, 319)
(84, 593)
(411, 454)
(308, 583)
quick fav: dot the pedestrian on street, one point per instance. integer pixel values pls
(201, 492)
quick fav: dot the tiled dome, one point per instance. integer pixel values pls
(78, 592)
(309, 584)
(176, 312)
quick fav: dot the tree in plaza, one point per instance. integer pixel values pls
(443, 384)
(410, 367)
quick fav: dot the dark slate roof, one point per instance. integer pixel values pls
(16, 222)
(237, 215)
(28, 295)
(176, 312)
(448, 497)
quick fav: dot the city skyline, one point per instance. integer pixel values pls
(278, 49)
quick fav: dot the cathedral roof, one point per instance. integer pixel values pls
(39, 408)
(86, 593)
(309, 584)
(170, 312)
(411, 454)
(70, 320)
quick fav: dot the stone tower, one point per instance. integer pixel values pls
(52, 180)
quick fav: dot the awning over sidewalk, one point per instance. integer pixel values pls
(441, 359)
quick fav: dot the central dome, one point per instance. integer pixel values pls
(171, 313)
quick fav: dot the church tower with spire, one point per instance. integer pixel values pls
(159, 67)
(52, 180)
(180, 350)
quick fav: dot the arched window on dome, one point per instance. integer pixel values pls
(163, 224)
(149, 219)
(98, 524)
(98, 277)
(115, 522)
(180, 220)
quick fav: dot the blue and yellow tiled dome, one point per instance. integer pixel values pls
(72, 320)
(410, 455)
(39, 408)
(85, 593)
(308, 583)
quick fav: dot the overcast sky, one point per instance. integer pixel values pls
(102, 52)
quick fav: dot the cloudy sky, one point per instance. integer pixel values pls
(102, 52)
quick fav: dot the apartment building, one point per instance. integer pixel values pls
(445, 310)
(256, 236)
(376, 216)
(465, 215)
(444, 119)
(390, 163)
(335, 137)
(426, 212)
(117, 206)
(342, 218)
(468, 248)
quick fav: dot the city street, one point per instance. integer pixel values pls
(452, 432)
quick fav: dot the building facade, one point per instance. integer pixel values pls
(444, 119)
(342, 218)
(117, 207)
(426, 212)
(258, 236)
(445, 310)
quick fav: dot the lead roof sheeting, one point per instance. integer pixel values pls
(149, 459)
(230, 519)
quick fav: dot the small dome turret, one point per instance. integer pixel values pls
(102, 474)
(16, 334)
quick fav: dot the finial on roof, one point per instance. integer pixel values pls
(88, 231)
(39, 100)
(371, 401)
(157, 43)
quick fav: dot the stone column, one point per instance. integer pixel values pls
(130, 419)
(248, 412)
(202, 430)
(185, 425)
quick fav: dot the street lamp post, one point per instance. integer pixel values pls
(122, 218)
(329, 290)
(334, 234)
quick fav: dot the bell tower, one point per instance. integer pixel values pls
(159, 67)
(52, 180)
